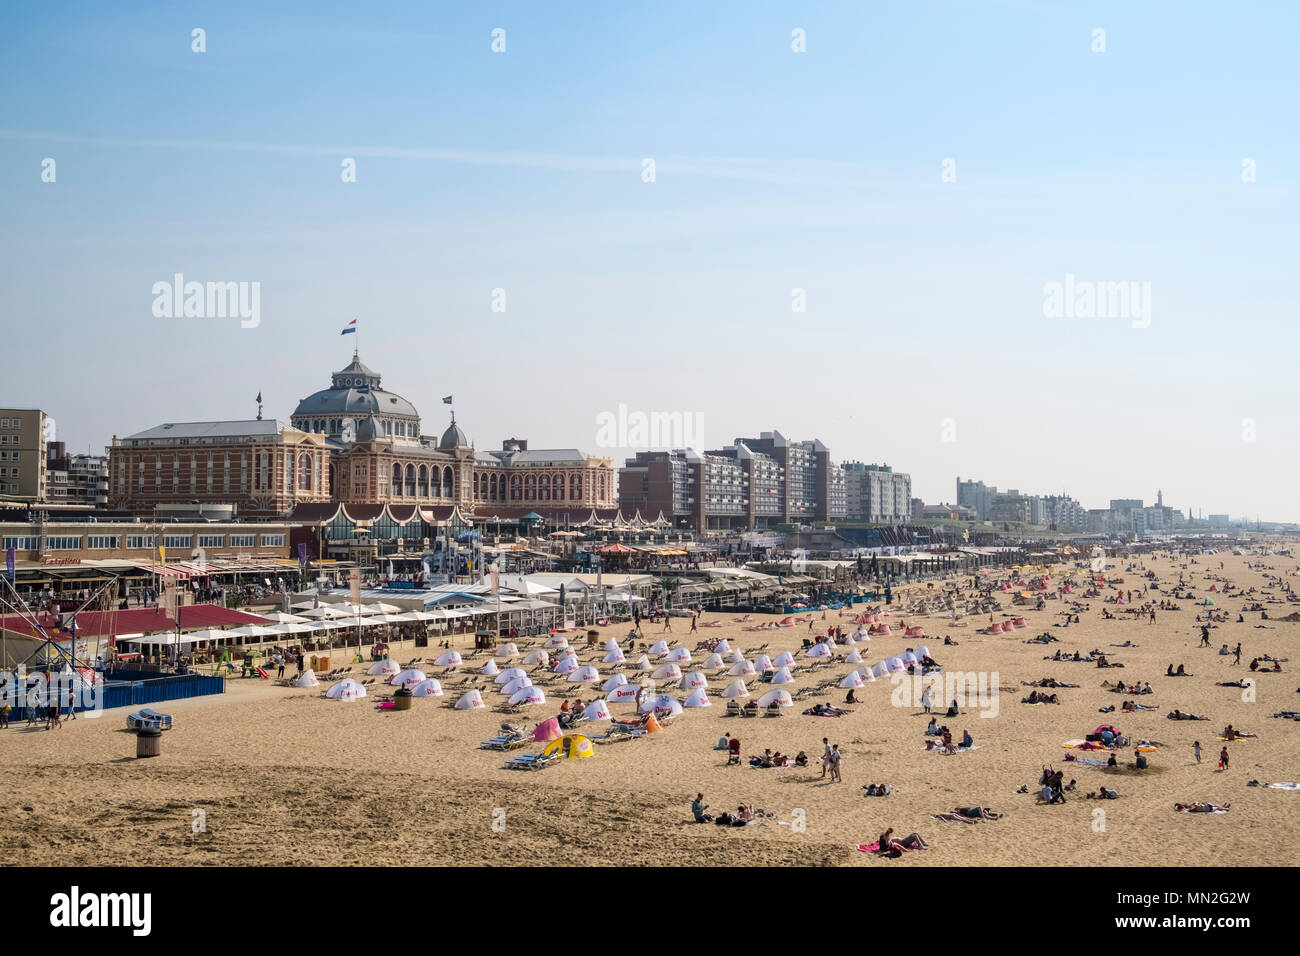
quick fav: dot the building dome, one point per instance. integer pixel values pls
(355, 395)
(453, 437)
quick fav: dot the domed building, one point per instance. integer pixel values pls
(353, 397)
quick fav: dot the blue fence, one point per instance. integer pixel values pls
(134, 689)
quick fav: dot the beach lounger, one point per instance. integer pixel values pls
(148, 718)
(503, 743)
(531, 761)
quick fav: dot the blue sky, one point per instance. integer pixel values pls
(775, 171)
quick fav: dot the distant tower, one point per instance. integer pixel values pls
(1160, 498)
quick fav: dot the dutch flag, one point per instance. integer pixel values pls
(350, 327)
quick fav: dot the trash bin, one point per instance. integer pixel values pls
(402, 699)
(147, 740)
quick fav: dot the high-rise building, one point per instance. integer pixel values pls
(24, 457)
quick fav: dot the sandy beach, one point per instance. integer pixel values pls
(284, 776)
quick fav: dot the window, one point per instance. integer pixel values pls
(102, 542)
(212, 541)
(242, 540)
(178, 541)
(139, 542)
(19, 543)
(65, 543)
(424, 481)
(304, 472)
(397, 480)
(273, 541)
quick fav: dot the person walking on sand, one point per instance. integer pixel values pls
(826, 756)
(1196, 749)
(1236, 658)
(1223, 759)
(835, 764)
(925, 699)
(668, 622)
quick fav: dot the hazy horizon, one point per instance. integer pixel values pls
(928, 342)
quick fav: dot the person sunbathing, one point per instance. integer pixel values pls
(1104, 794)
(780, 760)
(1179, 715)
(977, 813)
(895, 848)
(1202, 807)
(878, 789)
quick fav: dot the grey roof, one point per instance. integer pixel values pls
(349, 401)
(454, 437)
(172, 431)
(541, 455)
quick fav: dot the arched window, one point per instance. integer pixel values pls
(424, 481)
(530, 488)
(476, 486)
(331, 479)
(559, 487)
(544, 488)
(447, 482)
(492, 488)
(575, 488)
(304, 472)
(601, 492)
(397, 480)
(516, 488)
(410, 481)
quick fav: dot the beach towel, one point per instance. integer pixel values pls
(1236, 739)
(869, 847)
(1089, 762)
(1283, 786)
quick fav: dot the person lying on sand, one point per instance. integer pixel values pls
(878, 789)
(968, 815)
(895, 848)
(1202, 807)
(1179, 715)
(1104, 794)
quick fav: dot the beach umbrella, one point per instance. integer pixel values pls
(385, 668)
(736, 688)
(472, 700)
(743, 669)
(782, 676)
(448, 659)
(851, 679)
(698, 699)
(427, 688)
(407, 678)
(506, 676)
(585, 675)
(780, 697)
(597, 710)
(490, 669)
(346, 690)
(618, 680)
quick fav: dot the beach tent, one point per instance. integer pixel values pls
(652, 726)
(612, 644)
(407, 678)
(722, 646)
(548, 729)
(490, 669)
(923, 651)
(585, 675)
(736, 688)
(662, 706)
(668, 672)
(473, 700)
(538, 657)
(908, 657)
(881, 669)
(779, 697)
(853, 657)
(624, 693)
(506, 676)
(743, 669)
(695, 680)
(782, 676)
(698, 699)
(527, 697)
(819, 650)
(515, 686)
(427, 688)
(507, 651)
(569, 747)
(346, 690)
(566, 665)
(615, 656)
(448, 659)
(851, 679)
(618, 680)
(714, 661)
(866, 674)
(385, 668)
(643, 663)
(568, 654)
(679, 655)
(556, 641)
(784, 659)
(597, 710)
(895, 664)
(764, 664)
(737, 657)
(659, 647)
